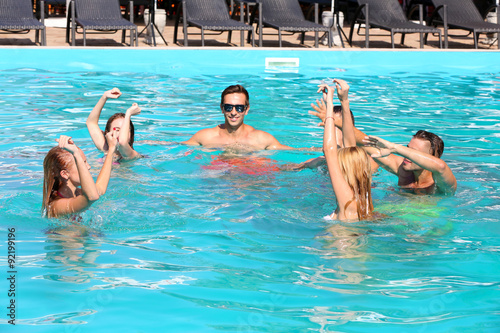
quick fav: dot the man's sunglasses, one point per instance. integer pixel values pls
(240, 108)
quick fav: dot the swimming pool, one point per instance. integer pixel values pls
(175, 246)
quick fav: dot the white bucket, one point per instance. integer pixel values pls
(329, 20)
(491, 37)
(160, 22)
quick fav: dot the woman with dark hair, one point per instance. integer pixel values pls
(119, 123)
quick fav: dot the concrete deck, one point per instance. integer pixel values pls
(56, 37)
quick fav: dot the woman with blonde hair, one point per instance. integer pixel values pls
(349, 167)
(68, 186)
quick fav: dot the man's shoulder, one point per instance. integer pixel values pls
(208, 131)
(257, 133)
(264, 139)
(201, 137)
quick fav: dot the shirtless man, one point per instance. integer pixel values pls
(419, 165)
(234, 132)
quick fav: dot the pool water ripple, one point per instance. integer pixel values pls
(209, 249)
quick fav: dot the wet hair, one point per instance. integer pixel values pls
(118, 116)
(235, 89)
(56, 160)
(356, 169)
(437, 144)
(338, 109)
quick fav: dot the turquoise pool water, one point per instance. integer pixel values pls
(178, 246)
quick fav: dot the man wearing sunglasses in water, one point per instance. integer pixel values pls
(234, 132)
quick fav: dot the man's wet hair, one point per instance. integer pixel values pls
(437, 144)
(235, 89)
(338, 109)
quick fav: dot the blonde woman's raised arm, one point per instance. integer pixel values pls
(105, 173)
(89, 191)
(123, 140)
(343, 192)
(347, 124)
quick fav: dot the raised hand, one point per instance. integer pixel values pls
(320, 111)
(327, 92)
(66, 143)
(384, 147)
(113, 93)
(112, 140)
(342, 89)
(134, 110)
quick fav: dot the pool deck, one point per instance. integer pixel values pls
(56, 38)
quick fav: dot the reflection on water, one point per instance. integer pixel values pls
(348, 240)
(76, 249)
